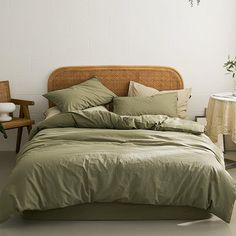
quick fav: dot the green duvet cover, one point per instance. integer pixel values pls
(86, 157)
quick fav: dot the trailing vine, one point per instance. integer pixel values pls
(192, 2)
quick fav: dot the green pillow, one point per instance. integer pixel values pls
(90, 93)
(160, 104)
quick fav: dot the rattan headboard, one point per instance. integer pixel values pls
(117, 78)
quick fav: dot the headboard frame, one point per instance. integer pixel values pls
(117, 78)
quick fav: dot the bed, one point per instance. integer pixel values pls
(194, 187)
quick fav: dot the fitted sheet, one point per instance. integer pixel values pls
(118, 211)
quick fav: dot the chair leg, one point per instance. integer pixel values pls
(29, 128)
(18, 141)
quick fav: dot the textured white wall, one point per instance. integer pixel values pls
(37, 36)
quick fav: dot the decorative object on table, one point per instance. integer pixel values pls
(230, 66)
(221, 109)
(2, 130)
(201, 119)
(192, 2)
(23, 120)
(5, 109)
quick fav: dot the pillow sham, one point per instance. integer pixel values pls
(137, 89)
(54, 111)
(160, 104)
(90, 93)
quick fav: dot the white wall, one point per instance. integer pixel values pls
(37, 36)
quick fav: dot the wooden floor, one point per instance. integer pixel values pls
(19, 227)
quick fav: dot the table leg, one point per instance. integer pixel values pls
(229, 164)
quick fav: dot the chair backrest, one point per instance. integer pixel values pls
(5, 95)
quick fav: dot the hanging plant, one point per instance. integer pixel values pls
(3, 131)
(192, 2)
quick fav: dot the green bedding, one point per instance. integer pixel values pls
(86, 157)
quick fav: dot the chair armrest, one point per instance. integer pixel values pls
(22, 102)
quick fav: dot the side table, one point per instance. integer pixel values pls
(221, 118)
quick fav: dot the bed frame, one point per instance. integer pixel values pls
(117, 78)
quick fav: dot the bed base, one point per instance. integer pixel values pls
(118, 211)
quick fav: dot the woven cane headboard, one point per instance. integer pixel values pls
(117, 78)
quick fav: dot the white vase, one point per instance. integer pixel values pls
(234, 87)
(5, 109)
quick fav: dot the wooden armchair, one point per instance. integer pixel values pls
(23, 120)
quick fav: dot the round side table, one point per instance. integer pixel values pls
(221, 118)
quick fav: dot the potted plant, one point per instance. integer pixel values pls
(3, 131)
(230, 66)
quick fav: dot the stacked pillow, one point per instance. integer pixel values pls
(160, 104)
(183, 96)
(90, 93)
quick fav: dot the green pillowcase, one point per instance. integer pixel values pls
(160, 104)
(90, 93)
